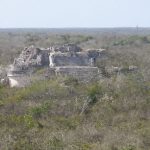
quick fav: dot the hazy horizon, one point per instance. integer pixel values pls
(74, 14)
(77, 27)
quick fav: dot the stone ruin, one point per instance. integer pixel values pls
(64, 60)
(66, 55)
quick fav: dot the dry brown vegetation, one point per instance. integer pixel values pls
(110, 114)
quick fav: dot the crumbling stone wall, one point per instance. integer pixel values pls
(84, 58)
(32, 57)
(83, 73)
(68, 59)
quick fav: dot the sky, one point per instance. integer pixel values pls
(74, 13)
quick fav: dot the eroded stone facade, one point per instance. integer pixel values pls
(65, 60)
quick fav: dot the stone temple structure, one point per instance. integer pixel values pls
(64, 60)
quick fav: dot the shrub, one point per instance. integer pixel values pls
(93, 92)
(38, 111)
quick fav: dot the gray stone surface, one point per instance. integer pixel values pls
(84, 58)
(82, 73)
(68, 59)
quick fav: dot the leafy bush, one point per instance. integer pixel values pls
(93, 92)
(38, 111)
